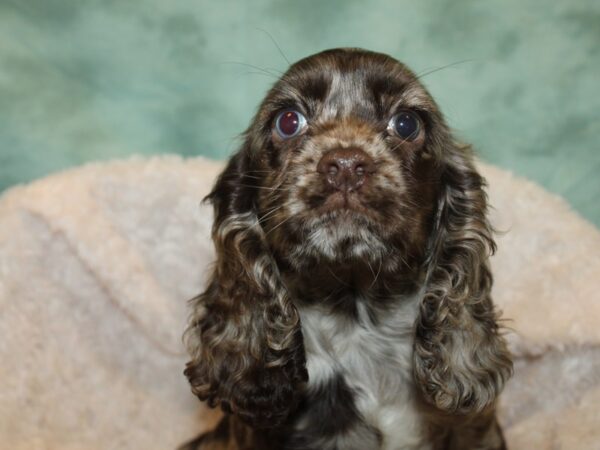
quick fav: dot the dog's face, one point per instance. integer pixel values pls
(348, 163)
(346, 144)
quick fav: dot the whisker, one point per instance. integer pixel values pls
(437, 69)
(337, 278)
(268, 210)
(269, 214)
(276, 45)
(251, 177)
(404, 261)
(253, 171)
(378, 272)
(254, 72)
(268, 188)
(397, 146)
(370, 268)
(335, 291)
(236, 175)
(278, 225)
(266, 70)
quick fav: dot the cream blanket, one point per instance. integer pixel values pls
(96, 265)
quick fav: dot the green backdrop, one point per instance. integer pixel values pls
(84, 80)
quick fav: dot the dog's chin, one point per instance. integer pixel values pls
(349, 219)
(342, 235)
(343, 220)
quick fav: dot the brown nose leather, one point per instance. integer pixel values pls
(346, 169)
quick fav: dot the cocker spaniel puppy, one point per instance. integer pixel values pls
(349, 306)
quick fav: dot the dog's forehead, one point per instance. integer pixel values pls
(347, 80)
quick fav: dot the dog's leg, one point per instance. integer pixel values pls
(485, 434)
(221, 438)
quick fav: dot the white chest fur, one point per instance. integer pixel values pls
(374, 355)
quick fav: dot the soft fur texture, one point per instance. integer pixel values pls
(96, 265)
(370, 244)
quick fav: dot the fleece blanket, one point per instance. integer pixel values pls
(96, 265)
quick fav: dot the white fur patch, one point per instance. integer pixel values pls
(376, 363)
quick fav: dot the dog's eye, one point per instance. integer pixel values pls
(289, 123)
(405, 124)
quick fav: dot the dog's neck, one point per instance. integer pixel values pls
(342, 285)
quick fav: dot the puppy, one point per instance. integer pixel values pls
(349, 307)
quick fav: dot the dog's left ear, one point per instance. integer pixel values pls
(461, 358)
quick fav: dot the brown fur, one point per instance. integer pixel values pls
(418, 222)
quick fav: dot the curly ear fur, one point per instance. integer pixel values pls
(244, 334)
(461, 359)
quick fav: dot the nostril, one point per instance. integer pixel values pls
(333, 169)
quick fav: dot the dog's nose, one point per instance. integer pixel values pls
(346, 169)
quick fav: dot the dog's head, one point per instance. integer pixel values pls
(348, 161)
(344, 157)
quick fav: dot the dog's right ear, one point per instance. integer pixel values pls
(244, 333)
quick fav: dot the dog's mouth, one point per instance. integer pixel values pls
(343, 202)
(353, 212)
